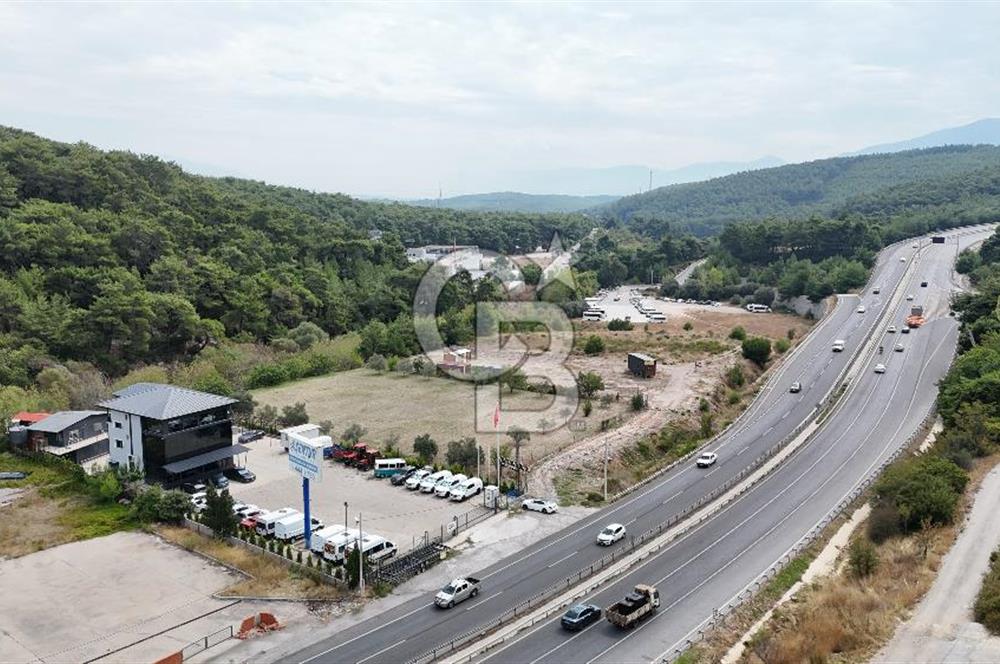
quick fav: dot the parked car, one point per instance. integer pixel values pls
(444, 486)
(13, 475)
(795, 387)
(580, 616)
(413, 481)
(241, 475)
(909, 297)
(611, 534)
(428, 483)
(250, 436)
(923, 284)
(539, 505)
(876, 290)
(219, 480)
(457, 591)
(707, 459)
(193, 487)
(466, 489)
(249, 519)
(248, 509)
(400, 478)
(880, 368)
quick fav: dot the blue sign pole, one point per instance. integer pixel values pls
(305, 505)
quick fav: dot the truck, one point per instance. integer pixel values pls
(641, 365)
(367, 461)
(353, 455)
(916, 317)
(265, 522)
(636, 607)
(457, 591)
(304, 430)
(293, 526)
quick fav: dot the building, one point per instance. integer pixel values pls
(170, 432)
(642, 365)
(77, 435)
(25, 419)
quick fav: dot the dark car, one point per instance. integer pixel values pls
(219, 481)
(241, 475)
(579, 616)
(923, 284)
(250, 436)
(193, 487)
(13, 475)
(400, 478)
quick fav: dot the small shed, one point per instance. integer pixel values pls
(642, 365)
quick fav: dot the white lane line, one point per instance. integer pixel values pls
(362, 661)
(743, 450)
(361, 636)
(709, 474)
(672, 497)
(787, 412)
(563, 559)
(489, 597)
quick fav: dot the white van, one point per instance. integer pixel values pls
(266, 521)
(838, 346)
(320, 537)
(444, 487)
(466, 489)
(413, 481)
(758, 308)
(428, 483)
(592, 315)
(335, 547)
(657, 318)
(375, 548)
(293, 526)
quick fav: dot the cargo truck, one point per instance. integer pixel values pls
(636, 607)
(641, 365)
(916, 317)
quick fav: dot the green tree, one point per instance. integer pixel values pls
(425, 447)
(218, 514)
(594, 345)
(862, 559)
(294, 415)
(462, 452)
(589, 383)
(757, 350)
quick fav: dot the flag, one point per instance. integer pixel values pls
(496, 416)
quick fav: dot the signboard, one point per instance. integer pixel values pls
(305, 455)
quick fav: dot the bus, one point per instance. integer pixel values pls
(389, 467)
(593, 314)
(758, 308)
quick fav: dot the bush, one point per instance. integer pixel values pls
(588, 407)
(923, 489)
(738, 333)
(638, 401)
(619, 325)
(862, 559)
(377, 363)
(294, 415)
(594, 345)
(782, 346)
(173, 506)
(353, 434)
(734, 397)
(404, 366)
(703, 405)
(595, 497)
(757, 350)
(589, 384)
(688, 326)
(425, 447)
(298, 558)
(735, 376)
(987, 607)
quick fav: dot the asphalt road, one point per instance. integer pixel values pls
(416, 627)
(706, 568)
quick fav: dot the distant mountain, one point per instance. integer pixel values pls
(623, 180)
(512, 201)
(861, 184)
(986, 131)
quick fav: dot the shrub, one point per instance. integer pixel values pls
(595, 497)
(589, 384)
(703, 405)
(735, 376)
(638, 401)
(594, 345)
(782, 345)
(862, 559)
(883, 523)
(425, 447)
(294, 415)
(987, 607)
(173, 506)
(377, 363)
(688, 326)
(757, 350)
(298, 558)
(353, 434)
(404, 366)
(588, 407)
(733, 398)
(926, 488)
(791, 333)
(284, 345)
(738, 333)
(619, 325)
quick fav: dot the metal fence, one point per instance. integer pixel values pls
(206, 642)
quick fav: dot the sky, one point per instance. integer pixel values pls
(400, 99)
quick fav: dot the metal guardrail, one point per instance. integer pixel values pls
(206, 642)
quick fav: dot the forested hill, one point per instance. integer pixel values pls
(858, 184)
(121, 259)
(512, 201)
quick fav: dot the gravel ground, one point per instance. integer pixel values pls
(942, 628)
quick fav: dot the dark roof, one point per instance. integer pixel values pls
(212, 456)
(163, 402)
(63, 420)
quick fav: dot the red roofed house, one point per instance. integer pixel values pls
(24, 418)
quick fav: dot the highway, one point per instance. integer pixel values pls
(699, 570)
(706, 568)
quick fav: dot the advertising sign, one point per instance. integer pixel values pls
(305, 455)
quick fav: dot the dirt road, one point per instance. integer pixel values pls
(942, 628)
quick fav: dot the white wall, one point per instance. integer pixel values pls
(126, 429)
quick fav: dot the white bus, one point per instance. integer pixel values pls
(758, 308)
(593, 314)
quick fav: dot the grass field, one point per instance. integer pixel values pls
(407, 406)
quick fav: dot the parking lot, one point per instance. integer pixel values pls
(402, 516)
(622, 308)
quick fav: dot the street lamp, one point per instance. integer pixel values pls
(361, 557)
(345, 517)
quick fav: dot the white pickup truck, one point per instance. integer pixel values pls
(457, 591)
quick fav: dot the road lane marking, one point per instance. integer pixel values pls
(743, 450)
(563, 559)
(672, 497)
(362, 661)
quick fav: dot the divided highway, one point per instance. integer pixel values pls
(708, 567)
(701, 569)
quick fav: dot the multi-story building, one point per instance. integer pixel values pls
(170, 432)
(77, 435)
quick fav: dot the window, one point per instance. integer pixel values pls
(118, 425)
(118, 444)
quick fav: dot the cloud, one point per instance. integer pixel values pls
(394, 98)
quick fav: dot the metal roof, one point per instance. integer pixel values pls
(212, 456)
(163, 402)
(63, 420)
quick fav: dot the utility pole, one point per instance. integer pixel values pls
(345, 517)
(361, 558)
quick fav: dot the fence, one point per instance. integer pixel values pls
(206, 642)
